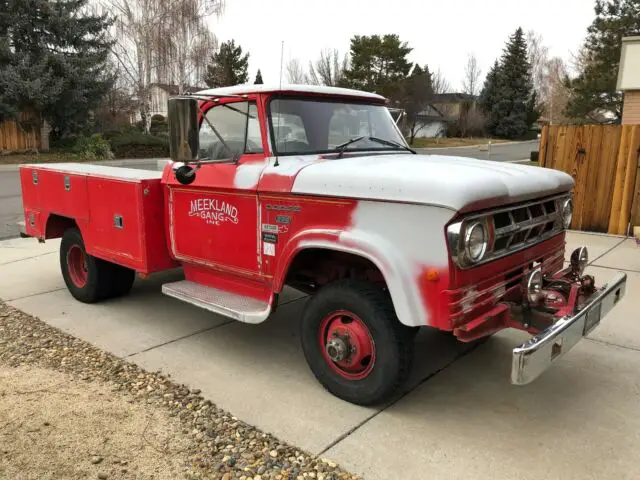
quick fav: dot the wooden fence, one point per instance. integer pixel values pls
(16, 136)
(603, 161)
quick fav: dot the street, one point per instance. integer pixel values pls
(11, 201)
(500, 152)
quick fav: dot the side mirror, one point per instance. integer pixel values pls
(183, 129)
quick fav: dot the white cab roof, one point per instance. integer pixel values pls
(313, 89)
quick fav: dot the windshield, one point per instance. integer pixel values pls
(303, 126)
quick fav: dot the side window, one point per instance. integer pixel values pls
(238, 125)
(254, 135)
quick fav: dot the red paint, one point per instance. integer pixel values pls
(353, 332)
(77, 265)
(463, 297)
(311, 220)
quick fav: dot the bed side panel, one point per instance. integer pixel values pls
(114, 231)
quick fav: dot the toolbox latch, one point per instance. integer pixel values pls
(118, 221)
(67, 183)
(34, 177)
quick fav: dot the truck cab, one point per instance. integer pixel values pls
(315, 188)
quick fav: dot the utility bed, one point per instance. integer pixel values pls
(120, 211)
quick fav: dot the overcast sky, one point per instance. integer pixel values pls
(441, 32)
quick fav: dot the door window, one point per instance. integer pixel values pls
(237, 124)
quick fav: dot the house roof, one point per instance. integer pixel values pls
(452, 97)
(317, 89)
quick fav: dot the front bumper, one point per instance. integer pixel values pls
(533, 357)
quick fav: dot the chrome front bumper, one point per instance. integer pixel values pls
(537, 354)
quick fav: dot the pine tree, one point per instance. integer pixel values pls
(508, 98)
(258, 78)
(593, 92)
(378, 64)
(53, 56)
(488, 95)
(415, 95)
(228, 66)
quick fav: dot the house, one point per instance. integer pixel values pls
(159, 94)
(629, 79)
(443, 111)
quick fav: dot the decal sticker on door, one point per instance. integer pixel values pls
(213, 211)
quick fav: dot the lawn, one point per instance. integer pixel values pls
(424, 142)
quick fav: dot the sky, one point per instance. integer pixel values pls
(442, 32)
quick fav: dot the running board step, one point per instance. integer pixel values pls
(238, 307)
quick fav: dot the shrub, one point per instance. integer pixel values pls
(93, 148)
(139, 145)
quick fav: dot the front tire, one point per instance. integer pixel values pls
(354, 343)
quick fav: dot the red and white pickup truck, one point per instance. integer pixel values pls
(315, 188)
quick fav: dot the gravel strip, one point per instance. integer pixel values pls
(218, 445)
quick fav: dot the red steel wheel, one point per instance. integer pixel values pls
(77, 265)
(347, 345)
(354, 343)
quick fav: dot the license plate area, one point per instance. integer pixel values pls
(594, 315)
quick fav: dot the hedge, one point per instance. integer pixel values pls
(139, 145)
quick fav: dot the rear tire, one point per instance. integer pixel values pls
(90, 279)
(359, 318)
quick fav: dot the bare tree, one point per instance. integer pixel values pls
(328, 69)
(471, 80)
(439, 83)
(161, 41)
(295, 72)
(558, 92)
(186, 42)
(538, 58)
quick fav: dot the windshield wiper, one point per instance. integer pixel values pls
(342, 147)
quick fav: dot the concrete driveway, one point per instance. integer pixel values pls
(458, 418)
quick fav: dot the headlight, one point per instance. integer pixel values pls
(567, 213)
(475, 242)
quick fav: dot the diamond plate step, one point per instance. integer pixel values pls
(238, 307)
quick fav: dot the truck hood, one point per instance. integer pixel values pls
(457, 183)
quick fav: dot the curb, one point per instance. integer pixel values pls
(478, 145)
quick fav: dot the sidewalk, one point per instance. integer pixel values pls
(459, 418)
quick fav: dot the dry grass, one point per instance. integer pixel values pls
(453, 142)
(57, 426)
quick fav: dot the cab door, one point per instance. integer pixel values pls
(213, 221)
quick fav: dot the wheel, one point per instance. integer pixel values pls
(354, 344)
(121, 280)
(90, 279)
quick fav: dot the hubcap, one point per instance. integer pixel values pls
(77, 266)
(347, 345)
(337, 349)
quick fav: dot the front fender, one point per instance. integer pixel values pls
(405, 242)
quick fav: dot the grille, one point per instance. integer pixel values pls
(524, 225)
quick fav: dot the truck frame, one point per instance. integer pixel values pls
(315, 188)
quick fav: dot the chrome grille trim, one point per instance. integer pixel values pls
(521, 233)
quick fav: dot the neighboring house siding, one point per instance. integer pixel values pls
(631, 108)
(432, 129)
(159, 99)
